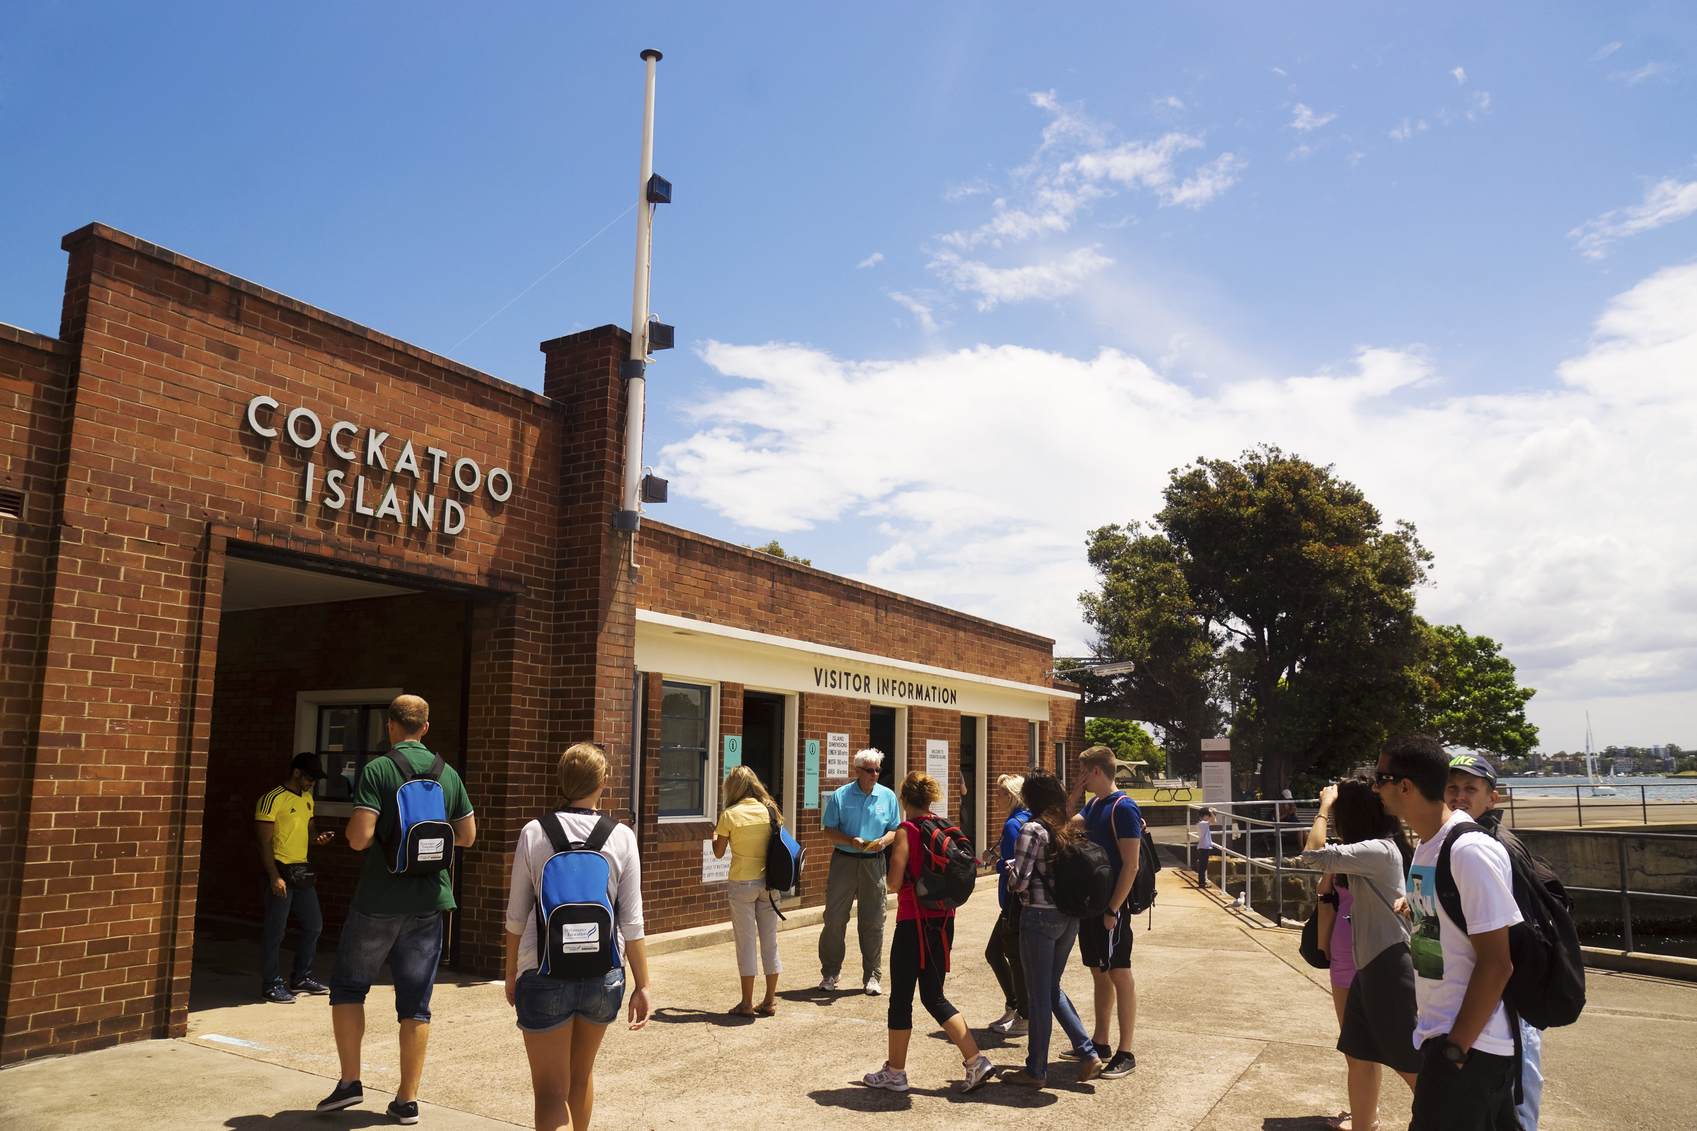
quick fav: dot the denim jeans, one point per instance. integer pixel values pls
(1531, 1076)
(1045, 943)
(544, 1004)
(412, 945)
(305, 905)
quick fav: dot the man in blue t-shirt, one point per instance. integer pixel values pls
(860, 821)
(1113, 821)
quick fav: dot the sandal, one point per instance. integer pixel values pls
(740, 1010)
(766, 1010)
(1344, 1123)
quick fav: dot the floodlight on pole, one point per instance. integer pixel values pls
(1116, 667)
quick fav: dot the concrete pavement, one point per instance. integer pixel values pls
(1234, 1032)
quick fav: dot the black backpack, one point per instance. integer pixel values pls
(1142, 896)
(1081, 879)
(1547, 988)
(947, 867)
(784, 860)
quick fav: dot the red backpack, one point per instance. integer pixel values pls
(947, 867)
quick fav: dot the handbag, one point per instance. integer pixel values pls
(1309, 946)
(301, 877)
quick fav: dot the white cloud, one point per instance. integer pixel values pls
(1277, 71)
(1664, 202)
(1605, 51)
(1647, 71)
(872, 260)
(1299, 153)
(961, 192)
(1049, 279)
(1406, 131)
(1481, 104)
(918, 309)
(1169, 103)
(1460, 75)
(1307, 119)
(1553, 512)
(1076, 164)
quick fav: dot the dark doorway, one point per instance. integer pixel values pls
(883, 730)
(763, 739)
(967, 787)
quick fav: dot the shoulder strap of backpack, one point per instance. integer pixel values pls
(554, 831)
(402, 764)
(1449, 896)
(434, 773)
(599, 834)
(772, 814)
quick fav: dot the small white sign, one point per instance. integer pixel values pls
(836, 756)
(580, 938)
(937, 765)
(714, 869)
(431, 847)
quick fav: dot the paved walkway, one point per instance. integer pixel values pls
(1234, 1033)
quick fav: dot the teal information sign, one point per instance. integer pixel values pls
(733, 752)
(811, 799)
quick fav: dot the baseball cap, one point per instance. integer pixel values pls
(307, 763)
(1475, 765)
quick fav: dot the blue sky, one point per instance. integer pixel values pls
(955, 283)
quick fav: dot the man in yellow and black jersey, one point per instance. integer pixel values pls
(282, 822)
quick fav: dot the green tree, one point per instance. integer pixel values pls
(1129, 742)
(777, 551)
(1268, 595)
(1472, 699)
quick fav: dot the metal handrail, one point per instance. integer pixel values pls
(1620, 837)
(1597, 802)
(1229, 811)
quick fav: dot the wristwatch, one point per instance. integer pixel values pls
(1455, 1054)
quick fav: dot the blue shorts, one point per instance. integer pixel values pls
(544, 1003)
(411, 944)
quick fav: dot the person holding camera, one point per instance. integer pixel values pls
(282, 823)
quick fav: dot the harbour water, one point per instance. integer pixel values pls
(1656, 788)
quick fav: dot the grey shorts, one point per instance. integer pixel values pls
(544, 1003)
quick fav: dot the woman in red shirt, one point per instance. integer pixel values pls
(919, 954)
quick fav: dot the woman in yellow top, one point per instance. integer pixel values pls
(745, 826)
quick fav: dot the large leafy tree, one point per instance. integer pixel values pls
(1129, 742)
(1270, 596)
(1471, 697)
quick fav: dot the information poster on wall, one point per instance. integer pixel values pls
(937, 765)
(714, 869)
(810, 781)
(836, 756)
(733, 752)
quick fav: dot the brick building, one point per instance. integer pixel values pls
(233, 526)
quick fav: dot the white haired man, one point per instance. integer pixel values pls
(860, 821)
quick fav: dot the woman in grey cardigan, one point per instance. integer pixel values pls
(1378, 1021)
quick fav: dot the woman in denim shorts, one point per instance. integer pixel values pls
(564, 1019)
(745, 827)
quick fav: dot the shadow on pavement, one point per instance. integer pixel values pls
(671, 1015)
(1302, 1123)
(286, 1120)
(813, 995)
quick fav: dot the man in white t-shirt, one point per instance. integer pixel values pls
(1466, 1080)
(1473, 790)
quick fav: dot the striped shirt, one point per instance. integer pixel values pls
(1030, 861)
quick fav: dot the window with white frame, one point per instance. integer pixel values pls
(686, 738)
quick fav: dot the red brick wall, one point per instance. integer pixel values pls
(34, 376)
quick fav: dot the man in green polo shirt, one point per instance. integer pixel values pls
(394, 918)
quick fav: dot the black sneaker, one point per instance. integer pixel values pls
(404, 1110)
(276, 993)
(1121, 1065)
(1086, 1051)
(308, 985)
(345, 1095)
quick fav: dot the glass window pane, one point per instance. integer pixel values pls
(338, 728)
(683, 699)
(689, 733)
(679, 799)
(376, 732)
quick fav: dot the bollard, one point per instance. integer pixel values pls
(1580, 809)
(1644, 804)
(1625, 899)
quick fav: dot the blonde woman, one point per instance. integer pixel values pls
(745, 827)
(562, 1017)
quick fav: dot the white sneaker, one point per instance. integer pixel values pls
(828, 983)
(1004, 1023)
(888, 1078)
(873, 989)
(977, 1072)
(1020, 1025)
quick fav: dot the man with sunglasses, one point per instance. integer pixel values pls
(860, 821)
(1466, 1080)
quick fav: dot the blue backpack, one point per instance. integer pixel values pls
(784, 858)
(422, 842)
(574, 910)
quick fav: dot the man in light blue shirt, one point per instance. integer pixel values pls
(860, 820)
